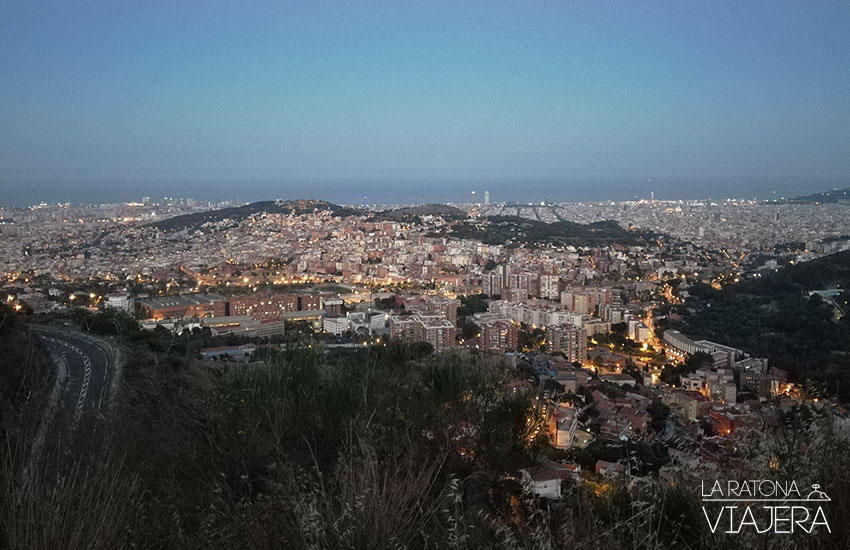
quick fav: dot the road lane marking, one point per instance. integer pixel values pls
(102, 350)
(84, 388)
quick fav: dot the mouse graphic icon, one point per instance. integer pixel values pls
(817, 494)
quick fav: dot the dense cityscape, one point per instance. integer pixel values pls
(595, 332)
(424, 276)
(597, 313)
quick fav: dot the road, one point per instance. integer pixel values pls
(86, 368)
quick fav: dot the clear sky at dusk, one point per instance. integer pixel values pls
(101, 100)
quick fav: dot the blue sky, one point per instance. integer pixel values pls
(105, 97)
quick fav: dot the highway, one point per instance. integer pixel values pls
(85, 369)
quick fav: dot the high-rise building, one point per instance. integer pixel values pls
(434, 305)
(491, 284)
(434, 329)
(486, 198)
(579, 302)
(569, 340)
(402, 327)
(498, 335)
(309, 302)
(549, 286)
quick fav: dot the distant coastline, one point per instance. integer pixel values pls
(408, 190)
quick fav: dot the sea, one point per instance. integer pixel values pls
(410, 190)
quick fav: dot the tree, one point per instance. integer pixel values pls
(472, 304)
(670, 374)
(389, 302)
(469, 329)
(658, 414)
(421, 349)
(611, 390)
(552, 386)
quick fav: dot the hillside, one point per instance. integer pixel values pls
(825, 272)
(239, 213)
(383, 448)
(413, 214)
(24, 370)
(513, 230)
(773, 316)
(825, 197)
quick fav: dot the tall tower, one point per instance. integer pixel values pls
(486, 198)
(473, 197)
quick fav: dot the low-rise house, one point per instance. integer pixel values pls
(605, 468)
(545, 482)
(687, 404)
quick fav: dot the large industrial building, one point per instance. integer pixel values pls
(188, 305)
(261, 306)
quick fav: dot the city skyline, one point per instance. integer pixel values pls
(417, 191)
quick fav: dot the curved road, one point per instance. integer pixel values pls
(85, 369)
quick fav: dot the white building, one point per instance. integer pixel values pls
(638, 331)
(335, 325)
(122, 301)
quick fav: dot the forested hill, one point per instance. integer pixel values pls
(773, 316)
(826, 197)
(239, 213)
(513, 230)
(826, 272)
(413, 214)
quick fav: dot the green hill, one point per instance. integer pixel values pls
(825, 197)
(773, 316)
(239, 213)
(513, 230)
(413, 214)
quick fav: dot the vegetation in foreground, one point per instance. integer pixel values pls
(380, 448)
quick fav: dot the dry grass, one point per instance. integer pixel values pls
(84, 506)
